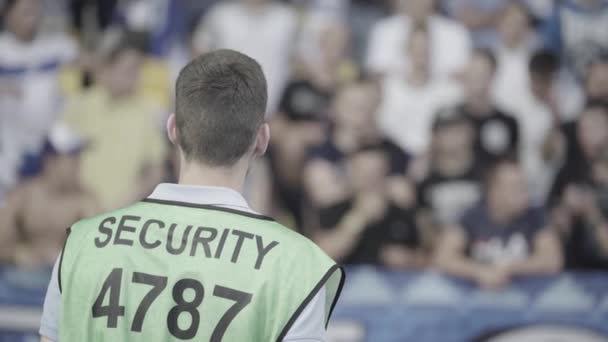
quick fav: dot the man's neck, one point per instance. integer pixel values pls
(193, 173)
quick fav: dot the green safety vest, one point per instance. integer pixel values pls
(171, 271)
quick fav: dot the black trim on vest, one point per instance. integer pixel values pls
(67, 235)
(338, 293)
(312, 295)
(208, 207)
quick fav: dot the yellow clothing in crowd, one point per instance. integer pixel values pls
(124, 137)
(154, 82)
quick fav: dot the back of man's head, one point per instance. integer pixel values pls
(221, 100)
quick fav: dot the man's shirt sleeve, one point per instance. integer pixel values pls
(49, 324)
(310, 325)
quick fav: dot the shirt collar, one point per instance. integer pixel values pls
(205, 195)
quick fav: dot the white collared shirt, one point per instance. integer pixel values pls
(310, 325)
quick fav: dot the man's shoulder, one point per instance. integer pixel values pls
(97, 219)
(299, 245)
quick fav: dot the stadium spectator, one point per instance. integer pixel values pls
(515, 46)
(367, 226)
(580, 144)
(263, 29)
(153, 81)
(539, 116)
(37, 212)
(127, 147)
(353, 116)
(450, 41)
(501, 237)
(577, 32)
(302, 118)
(29, 92)
(581, 219)
(452, 184)
(411, 99)
(496, 133)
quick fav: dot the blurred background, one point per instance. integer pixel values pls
(452, 153)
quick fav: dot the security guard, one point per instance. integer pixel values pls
(192, 262)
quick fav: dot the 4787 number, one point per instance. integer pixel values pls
(113, 310)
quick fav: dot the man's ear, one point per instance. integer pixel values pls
(262, 140)
(172, 129)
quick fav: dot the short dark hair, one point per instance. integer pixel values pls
(544, 62)
(220, 101)
(488, 55)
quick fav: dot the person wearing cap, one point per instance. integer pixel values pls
(36, 214)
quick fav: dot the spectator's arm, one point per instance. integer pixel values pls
(397, 256)
(594, 219)
(44, 339)
(546, 259)
(450, 255)
(9, 215)
(339, 241)
(601, 231)
(554, 147)
(427, 227)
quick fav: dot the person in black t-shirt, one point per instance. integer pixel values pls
(303, 115)
(353, 128)
(496, 133)
(452, 184)
(369, 225)
(581, 142)
(502, 236)
(580, 194)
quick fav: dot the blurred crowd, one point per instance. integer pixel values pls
(470, 136)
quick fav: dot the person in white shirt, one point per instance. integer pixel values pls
(411, 99)
(524, 86)
(516, 43)
(29, 92)
(450, 41)
(263, 29)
